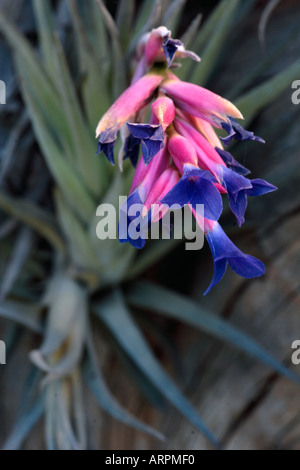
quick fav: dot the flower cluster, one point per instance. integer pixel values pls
(183, 160)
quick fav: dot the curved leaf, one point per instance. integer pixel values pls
(23, 246)
(45, 26)
(215, 44)
(24, 425)
(97, 385)
(21, 314)
(113, 312)
(178, 307)
(34, 217)
(254, 100)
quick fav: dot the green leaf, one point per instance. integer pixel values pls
(78, 407)
(144, 385)
(149, 17)
(96, 100)
(253, 101)
(114, 257)
(118, 269)
(7, 227)
(65, 331)
(66, 438)
(207, 30)
(106, 400)
(190, 34)
(94, 25)
(119, 70)
(215, 44)
(111, 25)
(113, 312)
(50, 414)
(64, 175)
(173, 15)
(87, 164)
(124, 20)
(263, 65)
(178, 307)
(35, 218)
(59, 431)
(93, 82)
(22, 248)
(188, 39)
(22, 314)
(30, 391)
(45, 26)
(24, 425)
(145, 14)
(41, 84)
(80, 247)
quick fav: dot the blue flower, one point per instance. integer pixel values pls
(232, 163)
(238, 204)
(170, 47)
(225, 252)
(107, 140)
(196, 187)
(132, 149)
(130, 227)
(151, 136)
(237, 132)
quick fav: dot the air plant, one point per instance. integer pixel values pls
(83, 279)
(183, 161)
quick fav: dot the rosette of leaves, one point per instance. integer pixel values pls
(59, 281)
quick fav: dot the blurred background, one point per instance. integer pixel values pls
(107, 348)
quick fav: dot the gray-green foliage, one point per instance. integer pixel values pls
(64, 99)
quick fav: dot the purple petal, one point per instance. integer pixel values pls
(107, 140)
(170, 47)
(224, 251)
(126, 219)
(238, 206)
(152, 138)
(207, 194)
(233, 182)
(109, 136)
(132, 149)
(247, 266)
(150, 148)
(181, 193)
(236, 131)
(220, 245)
(146, 131)
(219, 271)
(138, 243)
(232, 163)
(108, 150)
(195, 187)
(134, 198)
(190, 171)
(260, 187)
(238, 202)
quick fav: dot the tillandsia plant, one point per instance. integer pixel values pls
(68, 288)
(183, 161)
